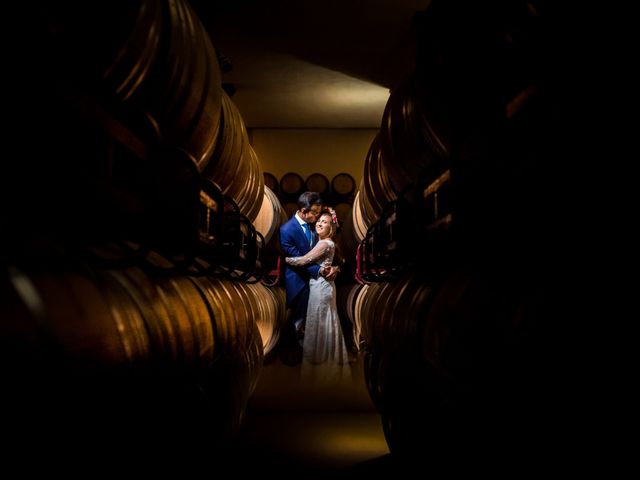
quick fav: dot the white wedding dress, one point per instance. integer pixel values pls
(324, 353)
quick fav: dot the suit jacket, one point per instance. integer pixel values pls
(294, 244)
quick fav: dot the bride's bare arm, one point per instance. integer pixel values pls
(313, 256)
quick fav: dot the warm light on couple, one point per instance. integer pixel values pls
(311, 292)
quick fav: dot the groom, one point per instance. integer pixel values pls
(297, 237)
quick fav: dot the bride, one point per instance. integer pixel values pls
(324, 354)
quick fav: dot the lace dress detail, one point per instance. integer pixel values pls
(324, 353)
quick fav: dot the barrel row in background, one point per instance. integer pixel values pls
(339, 192)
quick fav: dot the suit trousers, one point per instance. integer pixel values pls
(299, 308)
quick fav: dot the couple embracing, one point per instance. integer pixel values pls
(310, 287)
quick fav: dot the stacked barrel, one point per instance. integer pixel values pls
(339, 192)
(120, 215)
(234, 165)
(452, 330)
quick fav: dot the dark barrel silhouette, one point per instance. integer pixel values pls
(414, 149)
(158, 60)
(271, 181)
(343, 186)
(234, 165)
(317, 182)
(291, 186)
(375, 189)
(125, 348)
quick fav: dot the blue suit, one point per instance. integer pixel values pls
(294, 243)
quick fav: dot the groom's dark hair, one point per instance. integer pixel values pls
(307, 199)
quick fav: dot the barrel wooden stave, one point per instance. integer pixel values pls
(376, 188)
(234, 165)
(414, 151)
(271, 216)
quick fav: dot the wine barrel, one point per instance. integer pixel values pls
(317, 182)
(270, 217)
(503, 117)
(358, 300)
(272, 318)
(414, 151)
(375, 376)
(361, 222)
(70, 324)
(351, 230)
(138, 336)
(92, 359)
(239, 345)
(174, 317)
(251, 201)
(484, 329)
(393, 312)
(343, 186)
(291, 187)
(393, 317)
(346, 323)
(119, 88)
(376, 188)
(234, 165)
(160, 58)
(233, 314)
(226, 163)
(271, 181)
(455, 357)
(349, 302)
(190, 97)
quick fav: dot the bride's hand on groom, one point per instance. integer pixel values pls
(330, 273)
